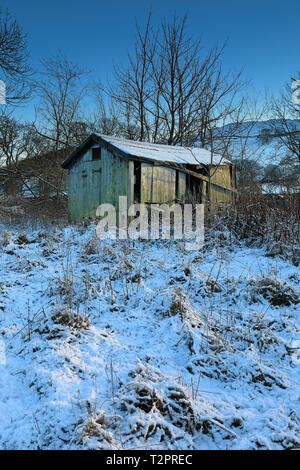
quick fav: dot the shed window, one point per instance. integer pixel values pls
(96, 153)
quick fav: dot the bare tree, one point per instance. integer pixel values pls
(15, 71)
(106, 118)
(18, 141)
(170, 90)
(132, 89)
(286, 126)
(59, 115)
(60, 93)
(283, 172)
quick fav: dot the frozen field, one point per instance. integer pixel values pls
(115, 345)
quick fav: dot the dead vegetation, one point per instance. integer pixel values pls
(18, 211)
(67, 317)
(256, 219)
(97, 431)
(167, 410)
(91, 247)
(276, 291)
(223, 326)
(60, 322)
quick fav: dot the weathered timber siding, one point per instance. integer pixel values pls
(92, 182)
(115, 179)
(157, 184)
(84, 187)
(221, 179)
(181, 187)
(221, 176)
(218, 194)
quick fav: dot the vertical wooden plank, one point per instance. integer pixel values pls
(115, 179)
(158, 184)
(181, 188)
(146, 183)
(221, 176)
(164, 185)
(204, 192)
(130, 183)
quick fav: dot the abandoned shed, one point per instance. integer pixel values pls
(103, 168)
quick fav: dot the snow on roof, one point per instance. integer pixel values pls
(165, 153)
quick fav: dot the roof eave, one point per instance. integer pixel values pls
(77, 152)
(96, 138)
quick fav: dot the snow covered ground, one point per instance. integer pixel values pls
(122, 345)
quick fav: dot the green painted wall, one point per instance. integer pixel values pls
(92, 182)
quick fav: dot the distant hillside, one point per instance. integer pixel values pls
(257, 140)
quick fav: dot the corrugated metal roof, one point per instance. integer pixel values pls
(165, 153)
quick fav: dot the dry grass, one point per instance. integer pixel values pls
(257, 220)
(67, 317)
(32, 212)
(276, 291)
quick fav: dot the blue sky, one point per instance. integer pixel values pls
(263, 36)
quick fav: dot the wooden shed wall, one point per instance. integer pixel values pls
(116, 178)
(181, 187)
(92, 182)
(157, 184)
(221, 176)
(83, 187)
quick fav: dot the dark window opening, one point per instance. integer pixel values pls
(194, 189)
(177, 186)
(96, 153)
(202, 170)
(137, 182)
